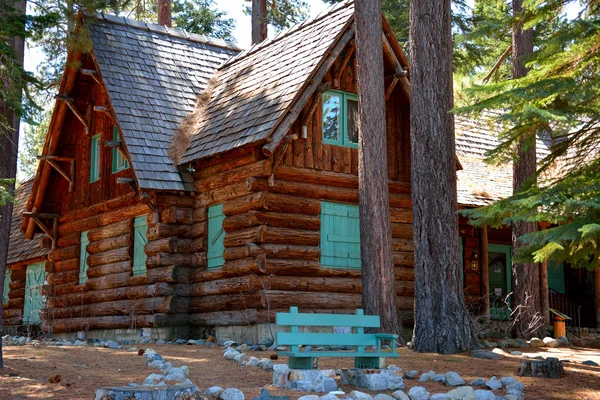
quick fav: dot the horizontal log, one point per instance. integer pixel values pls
(400, 200)
(225, 165)
(164, 245)
(292, 204)
(402, 231)
(234, 301)
(112, 230)
(404, 258)
(235, 253)
(291, 236)
(16, 302)
(100, 208)
(168, 274)
(165, 199)
(187, 260)
(399, 244)
(176, 215)
(239, 174)
(60, 278)
(62, 254)
(309, 190)
(59, 290)
(16, 293)
(403, 215)
(198, 229)
(254, 201)
(67, 265)
(200, 214)
(88, 323)
(14, 321)
(16, 284)
(291, 251)
(111, 256)
(118, 307)
(12, 313)
(249, 235)
(198, 244)
(311, 300)
(108, 244)
(160, 231)
(108, 269)
(229, 192)
(106, 218)
(230, 269)
(288, 220)
(17, 275)
(224, 318)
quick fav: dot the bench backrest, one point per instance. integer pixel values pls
(358, 322)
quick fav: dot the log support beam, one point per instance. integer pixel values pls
(52, 232)
(342, 67)
(389, 53)
(104, 110)
(70, 102)
(53, 161)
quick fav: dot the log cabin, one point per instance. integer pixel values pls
(187, 184)
(22, 301)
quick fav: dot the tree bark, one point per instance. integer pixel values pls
(259, 21)
(442, 323)
(164, 13)
(597, 296)
(9, 147)
(526, 279)
(378, 294)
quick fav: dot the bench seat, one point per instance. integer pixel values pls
(343, 353)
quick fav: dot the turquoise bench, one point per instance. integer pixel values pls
(357, 338)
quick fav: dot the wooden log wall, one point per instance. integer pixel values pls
(112, 297)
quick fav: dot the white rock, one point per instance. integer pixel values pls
(426, 377)
(441, 396)
(550, 342)
(230, 353)
(356, 395)
(481, 394)
(156, 364)
(418, 393)
(214, 391)
(185, 370)
(309, 397)
(166, 367)
(232, 394)
(152, 379)
(463, 393)
(400, 395)
(494, 383)
(536, 342)
(174, 376)
(328, 396)
(454, 379)
(383, 396)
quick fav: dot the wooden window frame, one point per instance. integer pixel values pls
(95, 154)
(140, 239)
(343, 139)
(325, 240)
(216, 236)
(83, 255)
(119, 163)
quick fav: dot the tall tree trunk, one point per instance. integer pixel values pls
(526, 277)
(259, 21)
(378, 293)
(442, 322)
(597, 296)
(9, 148)
(164, 13)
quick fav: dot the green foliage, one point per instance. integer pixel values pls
(6, 191)
(201, 16)
(559, 102)
(282, 14)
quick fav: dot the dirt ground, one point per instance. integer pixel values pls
(83, 369)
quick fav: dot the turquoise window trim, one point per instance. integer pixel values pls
(7, 275)
(119, 163)
(83, 256)
(95, 158)
(216, 236)
(140, 228)
(340, 236)
(34, 301)
(343, 139)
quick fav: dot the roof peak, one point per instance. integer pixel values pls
(283, 34)
(164, 30)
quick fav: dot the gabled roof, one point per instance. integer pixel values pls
(254, 90)
(19, 248)
(480, 183)
(153, 76)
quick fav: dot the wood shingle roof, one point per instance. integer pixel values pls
(255, 89)
(153, 76)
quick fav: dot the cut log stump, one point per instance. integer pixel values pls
(549, 368)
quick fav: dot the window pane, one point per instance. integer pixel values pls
(331, 116)
(352, 115)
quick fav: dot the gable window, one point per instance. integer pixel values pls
(83, 256)
(119, 163)
(95, 158)
(34, 301)
(140, 240)
(6, 285)
(340, 236)
(340, 118)
(216, 236)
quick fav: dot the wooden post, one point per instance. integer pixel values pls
(544, 291)
(597, 296)
(485, 273)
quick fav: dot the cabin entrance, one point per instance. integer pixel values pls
(500, 271)
(34, 301)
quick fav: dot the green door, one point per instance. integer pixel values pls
(34, 301)
(500, 271)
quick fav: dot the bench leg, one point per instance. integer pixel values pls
(369, 362)
(303, 363)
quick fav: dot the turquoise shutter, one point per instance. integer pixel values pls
(95, 158)
(139, 242)
(83, 256)
(6, 285)
(34, 301)
(216, 235)
(340, 235)
(119, 163)
(556, 276)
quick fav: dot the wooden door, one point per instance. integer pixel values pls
(34, 301)
(500, 271)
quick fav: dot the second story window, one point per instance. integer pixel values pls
(340, 118)
(119, 163)
(95, 158)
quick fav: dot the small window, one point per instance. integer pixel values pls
(119, 163)
(216, 236)
(95, 158)
(139, 242)
(340, 119)
(34, 301)
(340, 236)
(83, 256)
(6, 285)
